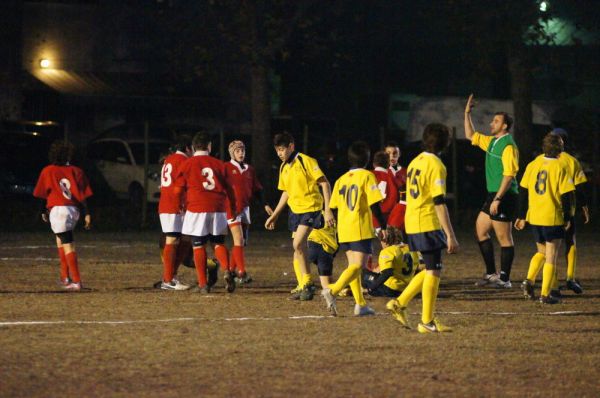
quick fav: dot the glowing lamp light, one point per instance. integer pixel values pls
(44, 63)
(544, 6)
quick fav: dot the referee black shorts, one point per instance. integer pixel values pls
(507, 211)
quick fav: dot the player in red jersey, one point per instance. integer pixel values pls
(386, 184)
(245, 186)
(209, 199)
(396, 217)
(64, 188)
(171, 208)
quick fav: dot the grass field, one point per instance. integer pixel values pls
(121, 337)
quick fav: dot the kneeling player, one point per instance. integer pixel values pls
(397, 265)
(65, 188)
(171, 207)
(357, 198)
(545, 203)
(426, 218)
(208, 191)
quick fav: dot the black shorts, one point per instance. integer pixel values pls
(323, 260)
(543, 234)
(507, 211)
(382, 291)
(201, 240)
(363, 246)
(427, 241)
(313, 219)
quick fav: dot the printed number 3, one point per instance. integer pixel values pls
(350, 195)
(166, 175)
(209, 184)
(413, 182)
(65, 187)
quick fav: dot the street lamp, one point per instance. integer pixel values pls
(544, 6)
(44, 63)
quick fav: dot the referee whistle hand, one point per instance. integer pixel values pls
(494, 207)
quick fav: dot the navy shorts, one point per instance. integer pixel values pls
(507, 210)
(363, 246)
(547, 234)
(313, 219)
(427, 241)
(324, 261)
(382, 291)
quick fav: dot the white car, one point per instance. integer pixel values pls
(121, 163)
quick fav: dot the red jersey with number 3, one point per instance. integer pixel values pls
(170, 198)
(62, 186)
(387, 187)
(207, 184)
(245, 183)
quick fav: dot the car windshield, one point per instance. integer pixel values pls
(156, 150)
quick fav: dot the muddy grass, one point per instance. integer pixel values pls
(121, 337)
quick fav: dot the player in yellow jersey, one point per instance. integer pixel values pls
(322, 247)
(356, 198)
(300, 178)
(397, 265)
(545, 203)
(428, 227)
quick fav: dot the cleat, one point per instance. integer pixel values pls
(488, 280)
(433, 327)
(330, 301)
(308, 292)
(363, 310)
(295, 293)
(574, 286)
(73, 287)
(229, 282)
(173, 285)
(198, 289)
(242, 279)
(549, 300)
(64, 282)
(398, 312)
(528, 289)
(556, 293)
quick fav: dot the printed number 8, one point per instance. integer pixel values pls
(540, 184)
(65, 187)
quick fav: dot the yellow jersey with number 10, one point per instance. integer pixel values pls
(546, 179)
(425, 179)
(353, 194)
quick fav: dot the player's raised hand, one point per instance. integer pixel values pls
(470, 104)
(87, 222)
(519, 224)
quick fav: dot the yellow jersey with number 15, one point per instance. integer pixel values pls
(546, 179)
(353, 194)
(425, 179)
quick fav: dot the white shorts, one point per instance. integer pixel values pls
(242, 218)
(203, 224)
(171, 222)
(63, 218)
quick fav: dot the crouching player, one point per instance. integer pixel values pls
(397, 266)
(64, 188)
(245, 186)
(357, 198)
(208, 192)
(171, 207)
(322, 247)
(426, 218)
(545, 203)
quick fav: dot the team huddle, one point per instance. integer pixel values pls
(403, 210)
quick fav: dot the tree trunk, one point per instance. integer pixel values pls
(520, 87)
(262, 147)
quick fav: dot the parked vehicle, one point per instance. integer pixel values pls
(119, 154)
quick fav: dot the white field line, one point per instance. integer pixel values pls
(293, 317)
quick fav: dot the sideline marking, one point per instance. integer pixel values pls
(292, 317)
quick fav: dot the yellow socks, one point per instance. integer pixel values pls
(547, 278)
(345, 278)
(536, 263)
(431, 285)
(414, 287)
(357, 292)
(571, 262)
(298, 272)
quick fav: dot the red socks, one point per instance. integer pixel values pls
(237, 253)
(64, 268)
(73, 267)
(223, 256)
(200, 263)
(169, 255)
